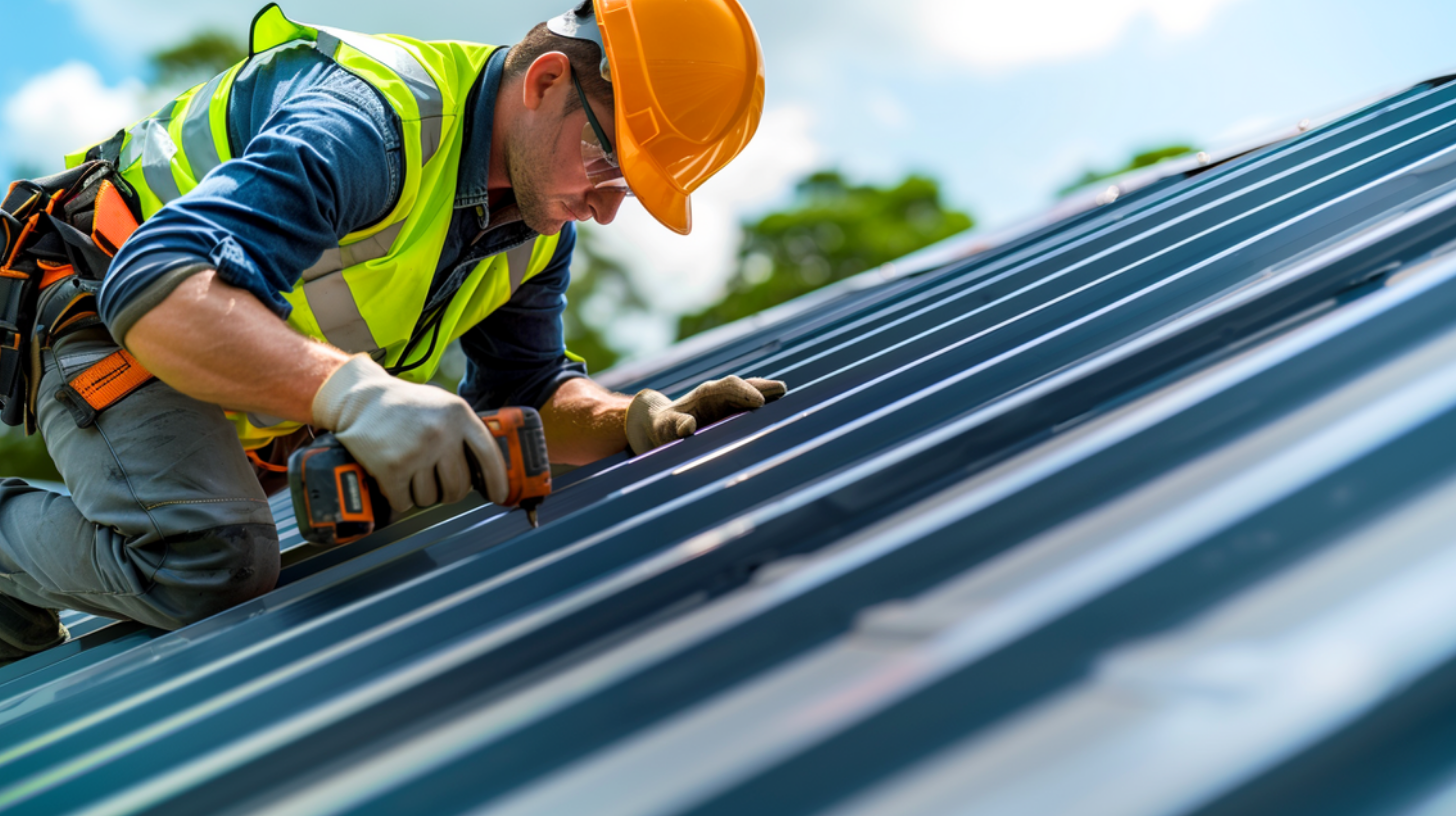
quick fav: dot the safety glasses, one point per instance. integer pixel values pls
(597, 154)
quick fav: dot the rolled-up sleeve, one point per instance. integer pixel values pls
(517, 355)
(318, 163)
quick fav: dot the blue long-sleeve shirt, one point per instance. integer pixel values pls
(318, 155)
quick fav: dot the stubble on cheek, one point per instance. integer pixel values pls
(530, 173)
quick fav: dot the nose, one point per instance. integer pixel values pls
(604, 204)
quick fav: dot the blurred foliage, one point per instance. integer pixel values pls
(601, 293)
(835, 230)
(200, 58)
(1147, 158)
(24, 456)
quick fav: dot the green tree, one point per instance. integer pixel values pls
(24, 456)
(1147, 158)
(204, 55)
(600, 294)
(835, 230)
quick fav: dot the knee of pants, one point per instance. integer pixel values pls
(216, 569)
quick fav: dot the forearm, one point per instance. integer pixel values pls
(584, 422)
(219, 344)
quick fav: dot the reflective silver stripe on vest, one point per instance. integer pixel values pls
(518, 261)
(329, 296)
(157, 162)
(327, 44)
(337, 314)
(151, 142)
(197, 139)
(372, 248)
(426, 93)
(138, 141)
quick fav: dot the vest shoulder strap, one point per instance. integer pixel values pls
(271, 28)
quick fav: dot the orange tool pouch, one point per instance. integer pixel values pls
(58, 235)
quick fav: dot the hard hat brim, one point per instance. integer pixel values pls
(669, 205)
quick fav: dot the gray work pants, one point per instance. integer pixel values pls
(166, 523)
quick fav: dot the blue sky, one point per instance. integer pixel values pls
(1003, 102)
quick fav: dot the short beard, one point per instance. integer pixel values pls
(528, 167)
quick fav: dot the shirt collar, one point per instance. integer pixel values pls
(470, 191)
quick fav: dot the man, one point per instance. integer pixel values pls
(319, 223)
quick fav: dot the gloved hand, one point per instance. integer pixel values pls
(413, 439)
(653, 419)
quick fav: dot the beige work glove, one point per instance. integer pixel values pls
(653, 419)
(413, 439)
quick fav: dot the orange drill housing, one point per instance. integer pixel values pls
(335, 501)
(522, 441)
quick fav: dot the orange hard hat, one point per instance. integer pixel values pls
(688, 79)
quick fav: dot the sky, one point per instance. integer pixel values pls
(1003, 102)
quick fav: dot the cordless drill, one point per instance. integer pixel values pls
(337, 502)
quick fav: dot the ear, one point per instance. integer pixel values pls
(549, 71)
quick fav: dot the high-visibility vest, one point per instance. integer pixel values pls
(368, 293)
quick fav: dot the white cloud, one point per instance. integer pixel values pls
(66, 109)
(683, 273)
(997, 35)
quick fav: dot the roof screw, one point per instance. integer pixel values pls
(1203, 159)
(1304, 125)
(1108, 196)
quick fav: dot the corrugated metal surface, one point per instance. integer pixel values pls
(1140, 513)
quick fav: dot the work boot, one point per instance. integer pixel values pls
(26, 629)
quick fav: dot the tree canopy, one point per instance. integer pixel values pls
(201, 57)
(835, 230)
(25, 457)
(602, 292)
(1146, 158)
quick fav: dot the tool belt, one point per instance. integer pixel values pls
(58, 235)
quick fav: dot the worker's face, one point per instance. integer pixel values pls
(546, 168)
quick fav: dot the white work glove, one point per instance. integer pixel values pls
(413, 439)
(653, 419)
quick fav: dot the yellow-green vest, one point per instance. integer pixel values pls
(367, 294)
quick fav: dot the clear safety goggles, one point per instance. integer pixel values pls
(598, 156)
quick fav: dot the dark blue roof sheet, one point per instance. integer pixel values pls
(1144, 512)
